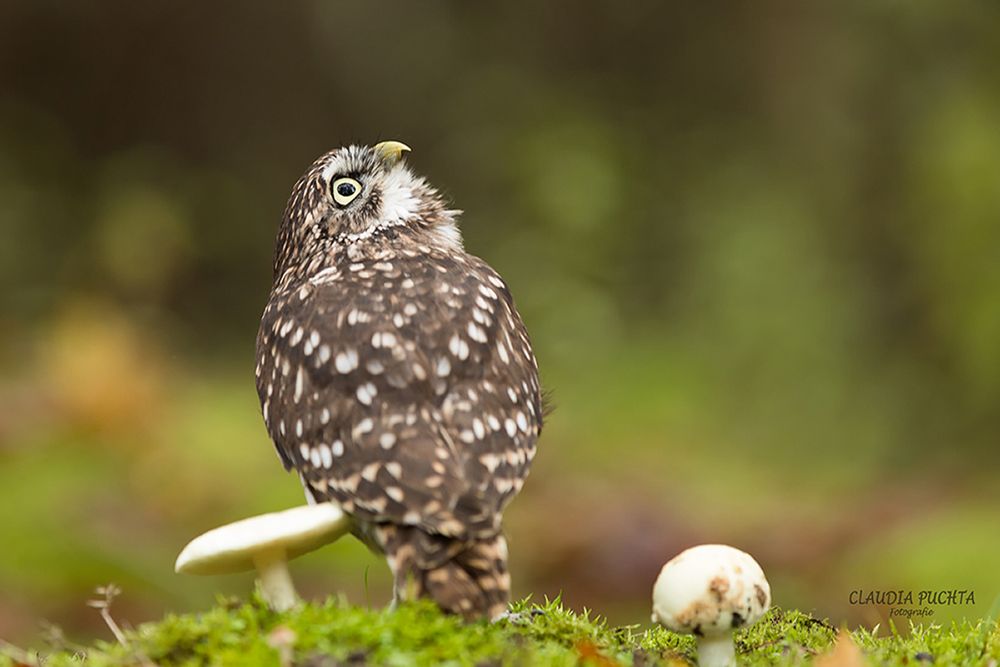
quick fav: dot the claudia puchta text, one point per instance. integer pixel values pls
(945, 598)
(912, 604)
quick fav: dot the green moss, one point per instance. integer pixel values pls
(335, 633)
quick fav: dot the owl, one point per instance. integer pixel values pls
(396, 377)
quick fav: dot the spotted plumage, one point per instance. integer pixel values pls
(396, 376)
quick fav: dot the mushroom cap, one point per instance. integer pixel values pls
(709, 590)
(232, 548)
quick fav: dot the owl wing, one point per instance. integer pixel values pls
(403, 388)
(493, 404)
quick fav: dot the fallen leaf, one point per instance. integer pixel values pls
(589, 652)
(845, 653)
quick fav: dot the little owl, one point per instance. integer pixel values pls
(396, 377)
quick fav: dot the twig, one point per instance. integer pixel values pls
(108, 594)
(103, 605)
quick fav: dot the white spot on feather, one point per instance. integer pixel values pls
(476, 332)
(490, 461)
(366, 393)
(458, 347)
(346, 361)
(370, 471)
(326, 458)
(522, 422)
(298, 384)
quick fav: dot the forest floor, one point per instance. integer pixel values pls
(335, 633)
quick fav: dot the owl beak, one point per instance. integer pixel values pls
(391, 152)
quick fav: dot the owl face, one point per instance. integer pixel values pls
(366, 187)
(359, 194)
(354, 192)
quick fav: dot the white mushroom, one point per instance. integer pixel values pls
(265, 543)
(710, 591)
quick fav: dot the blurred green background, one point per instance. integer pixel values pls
(757, 246)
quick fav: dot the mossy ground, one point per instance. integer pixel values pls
(335, 633)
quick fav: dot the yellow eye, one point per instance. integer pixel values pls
(345, 190)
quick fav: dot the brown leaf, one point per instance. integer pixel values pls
(590, 653)
(845, 653)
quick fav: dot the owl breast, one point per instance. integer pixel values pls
(400, 382)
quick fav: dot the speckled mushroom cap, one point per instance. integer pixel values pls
(710, 589)
(232, 548)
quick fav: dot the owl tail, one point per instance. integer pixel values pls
(467, 578)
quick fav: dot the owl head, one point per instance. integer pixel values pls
(361, 194)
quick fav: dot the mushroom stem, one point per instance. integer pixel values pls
(275, 581)
(716, 651)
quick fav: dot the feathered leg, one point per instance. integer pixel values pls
(467, 578)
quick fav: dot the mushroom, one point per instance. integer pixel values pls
(265, 543)
(710, 591)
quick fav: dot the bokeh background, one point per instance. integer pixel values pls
(757, 246)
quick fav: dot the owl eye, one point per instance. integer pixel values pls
(345, 190)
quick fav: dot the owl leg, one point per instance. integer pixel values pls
(469, 579)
